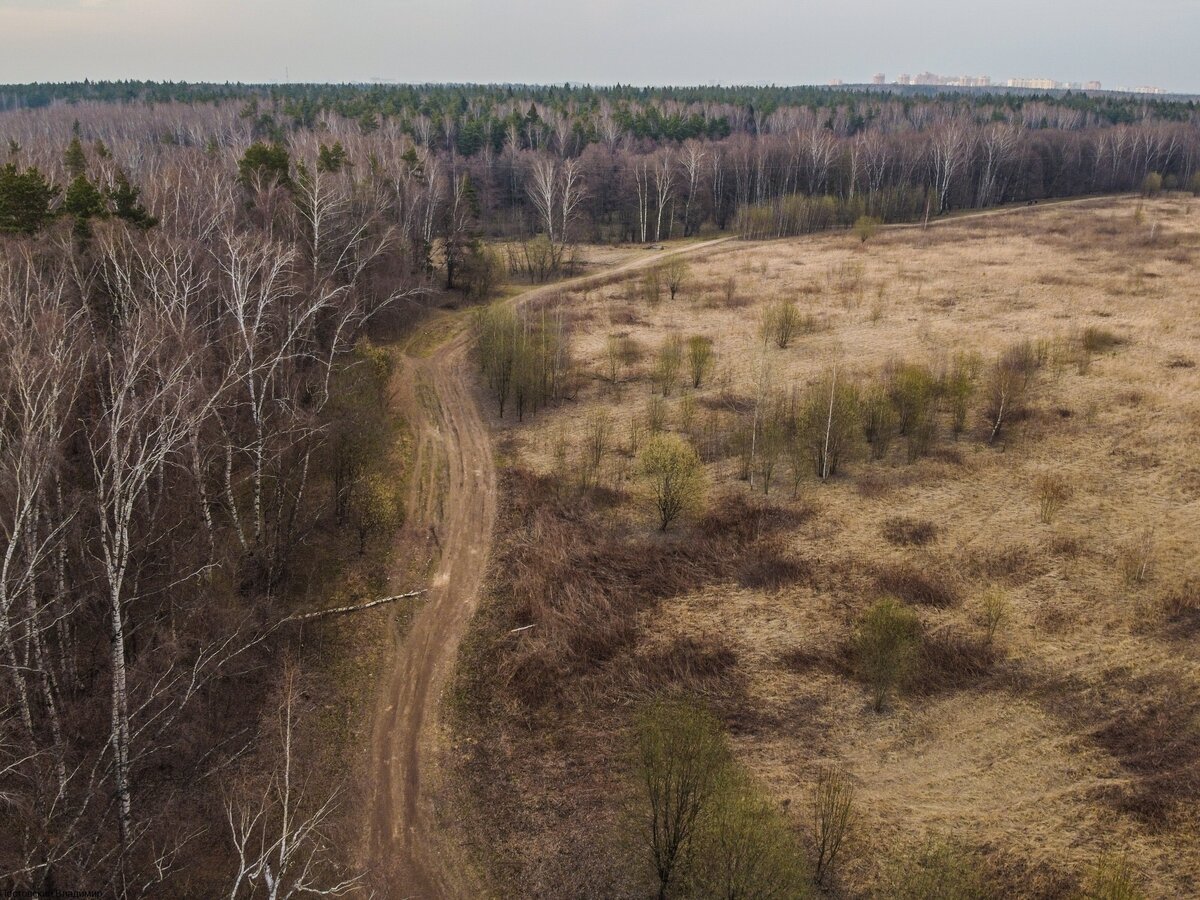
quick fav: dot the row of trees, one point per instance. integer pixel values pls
(798, 169)
(183, 390)
(814, 430)
(471, 117)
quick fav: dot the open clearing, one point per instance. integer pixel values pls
(1073, 734)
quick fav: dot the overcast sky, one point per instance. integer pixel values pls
(600, 41)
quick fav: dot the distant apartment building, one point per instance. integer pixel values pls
(985, 81)
(932, 78)
(1037, 84)
(878, 78)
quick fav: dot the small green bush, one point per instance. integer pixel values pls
(865, 227)
(700, 358)
(886, 648)
(672, 470)
(668, 363)
(781, 321)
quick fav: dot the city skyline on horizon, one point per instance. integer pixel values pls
(549, 41)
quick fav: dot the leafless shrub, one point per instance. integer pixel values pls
(671, 468)
(938, 868)
(682, 757)
(958, 386)
(878, 421)
(829, 423)
(700, 358)
(914, 395)
(1053, 492)
(1008, 387)
(1135, 558)
(832, 816)
(651, 287)
(729, 292)
(994, 612)
(656, 414)
(886, 646)
(621, 352)
(865, 228)
(597, 437)
(675, 273)
(667, 364)
(781, 320)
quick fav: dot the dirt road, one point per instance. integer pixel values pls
(453, 502)
(411, 853)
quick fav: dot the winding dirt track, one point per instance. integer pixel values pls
(453, 501)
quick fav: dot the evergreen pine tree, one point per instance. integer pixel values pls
(75, 159)
(25, 199)
(126, 205)
(270, 162)
(84, 201)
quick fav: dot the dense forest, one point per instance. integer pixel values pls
(188, 278)
(644, 164)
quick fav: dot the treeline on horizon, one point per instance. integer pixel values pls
(466, 101)
(633, 164)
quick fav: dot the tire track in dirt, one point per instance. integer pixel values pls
(453, 501)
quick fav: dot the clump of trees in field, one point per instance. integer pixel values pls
(525, 357)
(841, 416)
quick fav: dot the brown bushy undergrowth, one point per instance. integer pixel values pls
(1149, 724)
(566, 564)
(951, 657)
(581, 584)
(912, 585)
(902, 531)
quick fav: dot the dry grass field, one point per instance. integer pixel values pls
(1068, 736)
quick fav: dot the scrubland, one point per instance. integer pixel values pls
(993, 424)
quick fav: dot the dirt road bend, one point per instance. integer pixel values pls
(410, 852)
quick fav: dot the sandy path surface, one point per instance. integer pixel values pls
(453, 499)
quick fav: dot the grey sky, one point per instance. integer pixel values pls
(633, 41)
